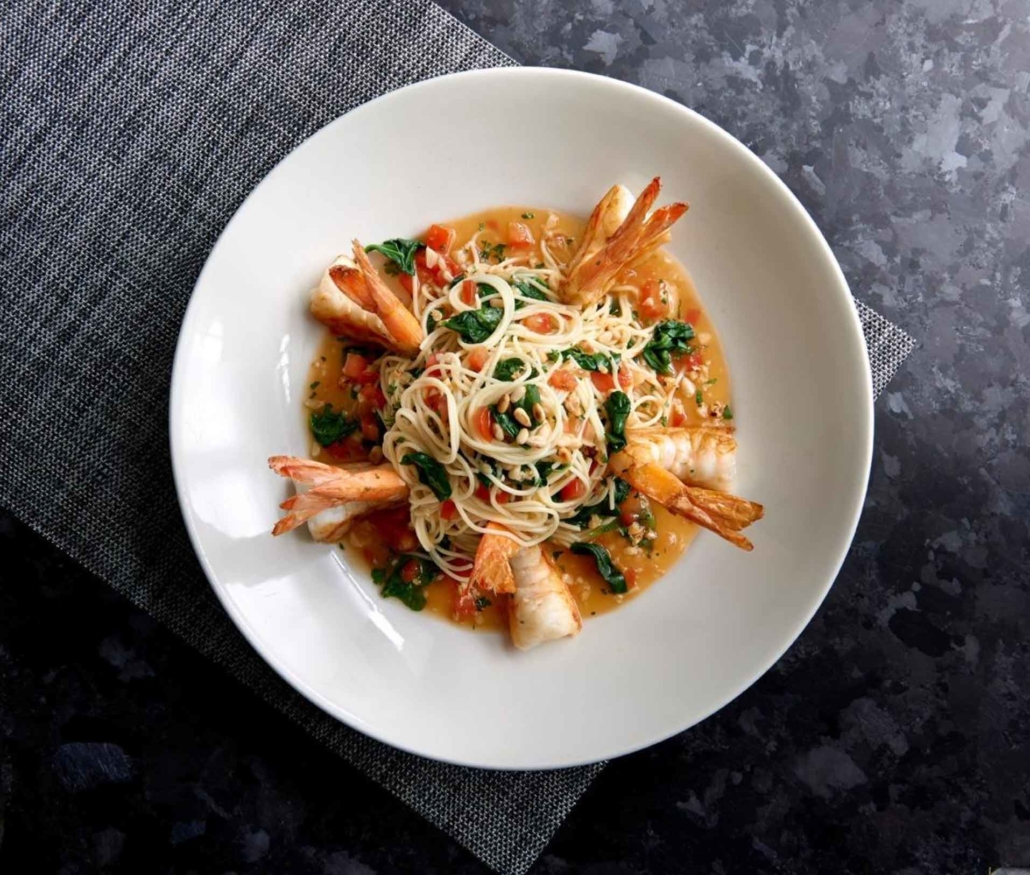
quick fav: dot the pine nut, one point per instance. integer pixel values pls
(503, 404)
(498, 433)
(523, 436)
(538, 412)
(518, 394)
(522, 418)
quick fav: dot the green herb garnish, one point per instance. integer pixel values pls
(618, 408)
(475, 326)
(393, 583)
(669, 338)
(508, 369)
(528, 215)
(431, 473)
(315, 385)
(727, 413)
(400, 251)
(588, 361)
(530, 287)
(327, 427)
(495, 251)
(582, 517)
(699, 398)
(482, 602)
(605, 567)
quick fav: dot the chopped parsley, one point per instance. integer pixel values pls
(727, 413)
(528, 215)
(482, 602)
(399, 251)
(315, 385)
(699, 398)
(328, 426)
(494, 251)
(669, 338)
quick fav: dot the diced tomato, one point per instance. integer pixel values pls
(539, 322)
(631, 577)
(440, 238)
(627, 518)
(679, 418)
(563, 379)
(468, 293)
(477, 358)
(484, 424)
(572, 490)
(625, 377)
(693, 315)
(448, 510)
(407, 283)
(372, 396)
(650, 304)
(369, 428)
(483, 492)
(463, 601)
(602, 382)
(431, 365)
(503, 497)
(519, 236)
(354, 365)
(410, 571)
(491, 224)
(434, 398)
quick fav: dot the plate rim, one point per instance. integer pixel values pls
(839, 288)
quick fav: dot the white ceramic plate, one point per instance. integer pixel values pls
(692, 642)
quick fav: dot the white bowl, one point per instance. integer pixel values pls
(801, 395)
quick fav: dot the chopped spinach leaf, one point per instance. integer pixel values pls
(618, 408)
(431, 323)
(669, 338)
(327, 427)
(543, 471)
(475, 326)
(431, 473)
(508, 369)
(412, 592)
(531, 287)
(581, 519)
(400, 251)
(605, 567)
(507, 422)
(727, 413)
(588, 361)
(456, 280)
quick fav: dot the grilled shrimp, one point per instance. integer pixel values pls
(352, 300)
(603, 254)
(492, 568)
(336, 496)
(542, 608)
(700, 456)
(718, 512)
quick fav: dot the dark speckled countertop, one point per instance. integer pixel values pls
(893, 737)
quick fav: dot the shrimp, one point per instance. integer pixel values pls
(353, 300)
(542, 608)
(603, 254)
(718, 512)
(336, 496)
(492, 568)
(699, 456)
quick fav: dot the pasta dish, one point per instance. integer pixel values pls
(518, 419)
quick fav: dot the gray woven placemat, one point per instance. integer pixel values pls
(131, 132)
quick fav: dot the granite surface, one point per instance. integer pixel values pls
(893, 737)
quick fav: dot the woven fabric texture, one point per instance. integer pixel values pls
(131, 132)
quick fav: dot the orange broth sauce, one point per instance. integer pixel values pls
(674, 534)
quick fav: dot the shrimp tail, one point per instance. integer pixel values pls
(718, 512)
(403, 328)
(594, 269)
(333, 487)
